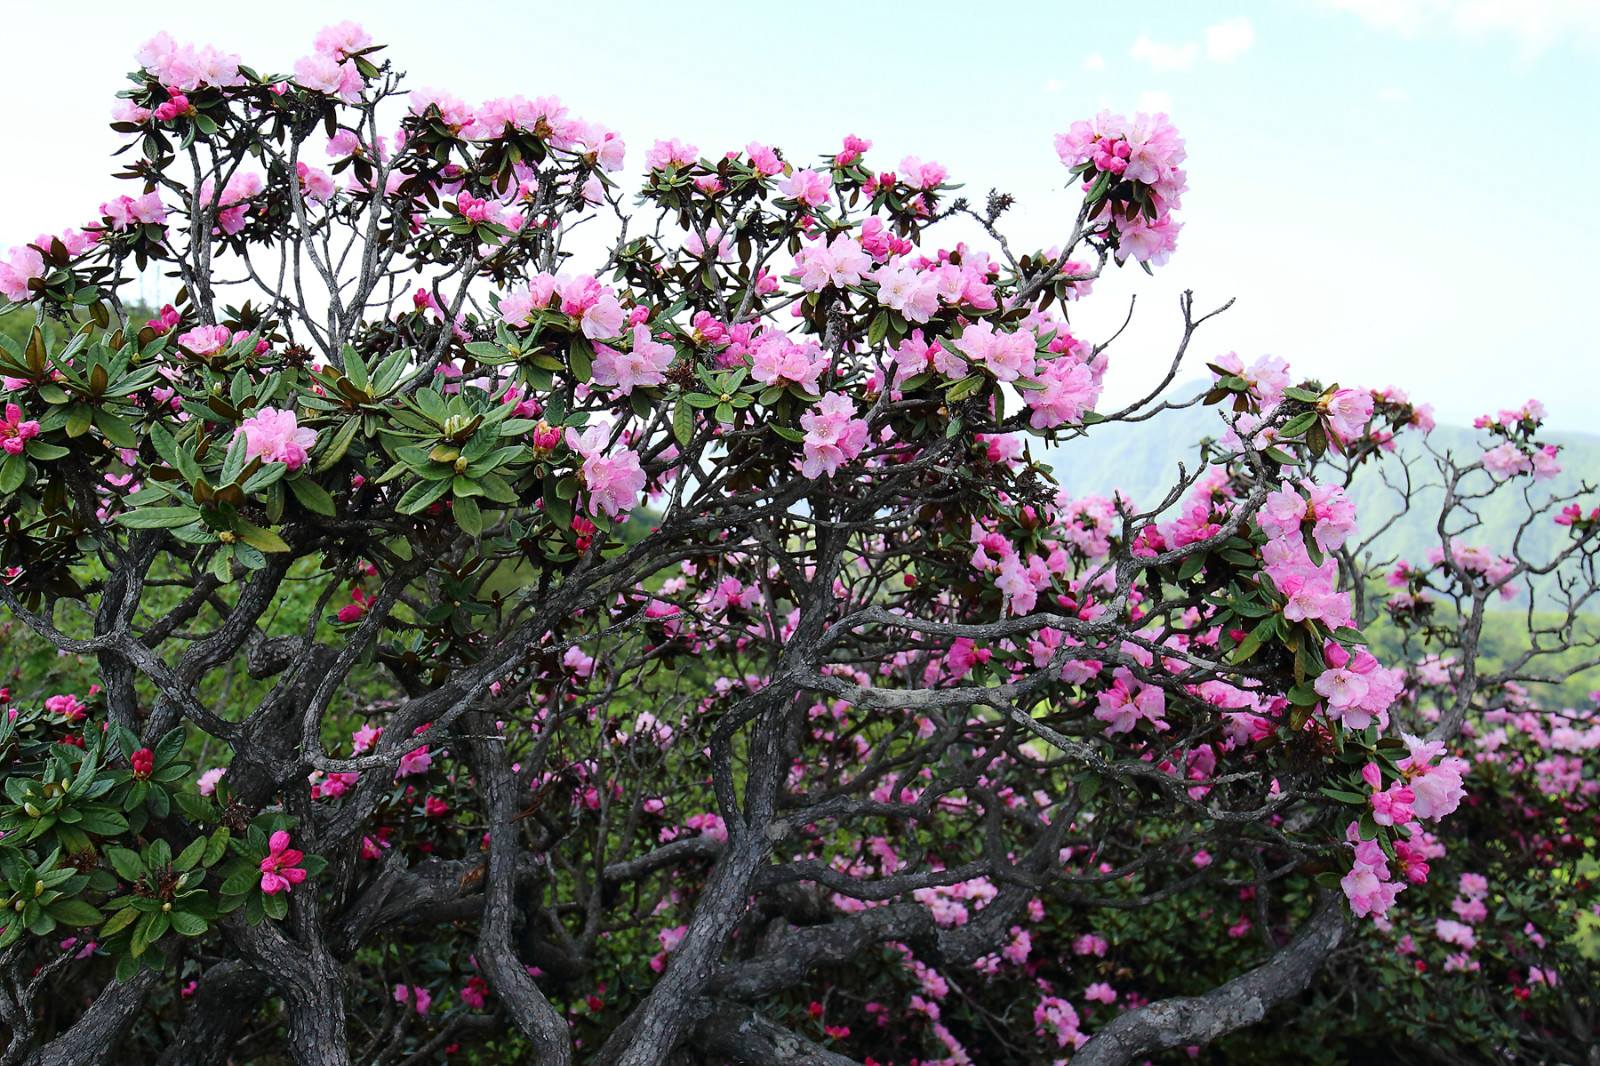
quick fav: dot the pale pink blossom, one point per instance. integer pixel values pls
(276, 437)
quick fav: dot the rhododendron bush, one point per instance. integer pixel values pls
(432, 639)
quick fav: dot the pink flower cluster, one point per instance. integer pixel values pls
(614, 480)
(15, 433)
(329, 68)
(1146, 150)
(644, 364)
(833, 435)
(595, 306)
(276, 437)
(186, 67)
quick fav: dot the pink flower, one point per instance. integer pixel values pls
(1348, 412)
(1100, 992)
(1506, 461)
(1391, 806)
(1438, 788)
(342, 40)
(365, 738)
(614, 481)
(851, 151)
(416, 761)
(22, 265)
(1367, 885)
(14, 432)
(1007, 355)
(472, 994)
(833, 435)
(207, 784)
(206, 340)
(807, 186)
(420, 997)
(281, 867)
(326, 74)
(645, 364)
(315, 183)
(1127, 701)
(777, 360)
(840, 263)
(1069, 390)
(276, 437)
(1089, 944)
(670, 153)
(1454, 932)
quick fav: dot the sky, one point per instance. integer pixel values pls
(1392, 191)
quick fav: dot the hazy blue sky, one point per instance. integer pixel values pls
(1394, 190)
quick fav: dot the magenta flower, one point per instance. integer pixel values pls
(14, 432)
(281, 867)
(418, 761)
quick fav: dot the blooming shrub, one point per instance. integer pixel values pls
(692, 655)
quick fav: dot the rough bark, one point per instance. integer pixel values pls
(225, 998)
(102, 1027)
(1243, 1001)
(520, 998)
(731, 1032)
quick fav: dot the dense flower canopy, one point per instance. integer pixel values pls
(501, 651)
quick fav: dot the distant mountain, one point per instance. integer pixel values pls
(1142, 458)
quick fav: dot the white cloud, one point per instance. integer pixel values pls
(1054, 85)
(1227, 41)
(1155, 100)
(1393, 96)
(1535, 24)
(1094, 61)
(1162, 56)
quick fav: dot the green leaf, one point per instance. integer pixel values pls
(1298, 424)
(339, 445)
(190, 856)
(1191, 566)
(1344, 797)
(74, 912)
(312, 496)
(582, 358)
(355, 368)
(467, 515)
(78, 419)
(215, 847)
(38, 449)
(788, 434)
(879, 328)
(115, 429)
(276, 905)
(683, 423)
(157, 517)
(421, 495)
(964, 388)
(186, 924)
(12, 473)
(127, 863)
(258, 538)
(119, 921)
